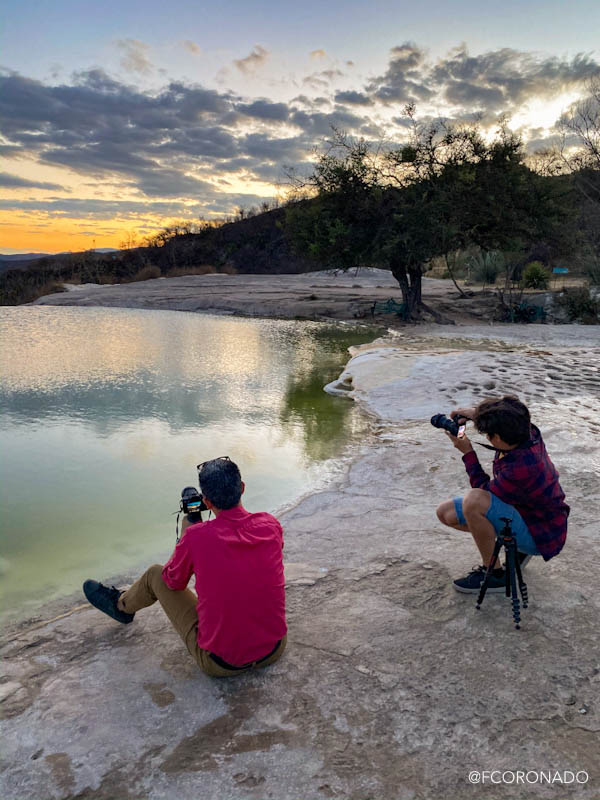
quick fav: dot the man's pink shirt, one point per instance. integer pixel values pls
(237, 559)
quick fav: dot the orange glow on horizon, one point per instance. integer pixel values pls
(33, 234)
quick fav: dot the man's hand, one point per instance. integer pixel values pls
(185, 524)
(463, 444)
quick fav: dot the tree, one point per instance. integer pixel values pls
(582, 123)
(444, 189)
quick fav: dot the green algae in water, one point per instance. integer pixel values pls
(106, 412)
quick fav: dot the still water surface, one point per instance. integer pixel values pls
(106, 412)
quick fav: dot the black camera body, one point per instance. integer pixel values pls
(192, 504)
(450, 424)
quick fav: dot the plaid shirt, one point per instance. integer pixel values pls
(526, 479)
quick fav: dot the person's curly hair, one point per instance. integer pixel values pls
(506, 416)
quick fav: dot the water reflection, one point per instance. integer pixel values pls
(106, 412)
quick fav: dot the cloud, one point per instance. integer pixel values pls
(318, 54)
(501, 79)
(14, 182)
(186, 142)
(264, 109)
(135, 56)
(192, 47)
(353, 98)
(318, 124)
(323, 79)
(405, 78)
(488, 83)
(252, 62)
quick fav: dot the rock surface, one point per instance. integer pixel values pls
(327, 294)
(393, 687)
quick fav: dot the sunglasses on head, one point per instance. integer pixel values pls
(210, 460)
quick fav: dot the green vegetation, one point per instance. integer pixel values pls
(535, 276)
(580, 305)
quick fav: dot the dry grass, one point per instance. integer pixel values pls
(202, 269)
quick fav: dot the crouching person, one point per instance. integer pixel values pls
(524, 488)
(236, 619)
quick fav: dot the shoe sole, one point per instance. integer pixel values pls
(493, 589)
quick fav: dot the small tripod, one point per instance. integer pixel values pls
(513, 571)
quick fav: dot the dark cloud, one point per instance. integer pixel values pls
(405, 78)
(13, 181)
(491, 82)
(508, 77)
(320, 124)
(264, 109)
(353, 98)
(214, 201)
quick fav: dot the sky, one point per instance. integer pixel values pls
(119, 118)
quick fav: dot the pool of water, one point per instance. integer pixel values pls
(106, 412)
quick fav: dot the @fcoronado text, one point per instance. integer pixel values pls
(531, 776)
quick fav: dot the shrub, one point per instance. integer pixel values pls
(487, 266)
(593, 271)
(535, 276)
(145, 274)
(580, 305)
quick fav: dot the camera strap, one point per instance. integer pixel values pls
(495, 449)
(177, 537)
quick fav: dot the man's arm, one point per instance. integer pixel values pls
(178, 569)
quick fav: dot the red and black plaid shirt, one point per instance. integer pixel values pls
(526, 479)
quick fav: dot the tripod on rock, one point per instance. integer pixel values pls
(514, 575)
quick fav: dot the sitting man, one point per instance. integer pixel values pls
(236, 619)
(524, 488)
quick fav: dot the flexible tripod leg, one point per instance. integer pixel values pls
(522, 584)
(511, 580)
(484, 585)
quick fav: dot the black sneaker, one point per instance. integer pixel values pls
(472, 583)
(105, 599)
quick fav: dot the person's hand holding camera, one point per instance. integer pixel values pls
(462, 414)
(461, 443)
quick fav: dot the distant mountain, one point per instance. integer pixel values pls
(32, 256)
(22, 256)
(21, 261)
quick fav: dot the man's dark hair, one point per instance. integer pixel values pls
(221, 483)
(506, 416)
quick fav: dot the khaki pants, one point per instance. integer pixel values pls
(180, 608)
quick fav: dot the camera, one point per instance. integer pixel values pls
(450, 424)
(192, 504)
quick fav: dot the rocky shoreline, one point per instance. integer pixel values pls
(393, 686)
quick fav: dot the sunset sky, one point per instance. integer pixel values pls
(118, 118)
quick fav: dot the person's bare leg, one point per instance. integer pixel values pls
(479, 501)
(476, 504)
(446, 514)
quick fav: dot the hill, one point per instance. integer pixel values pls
(255, 245)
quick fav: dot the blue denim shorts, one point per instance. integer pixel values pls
(499, 509)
